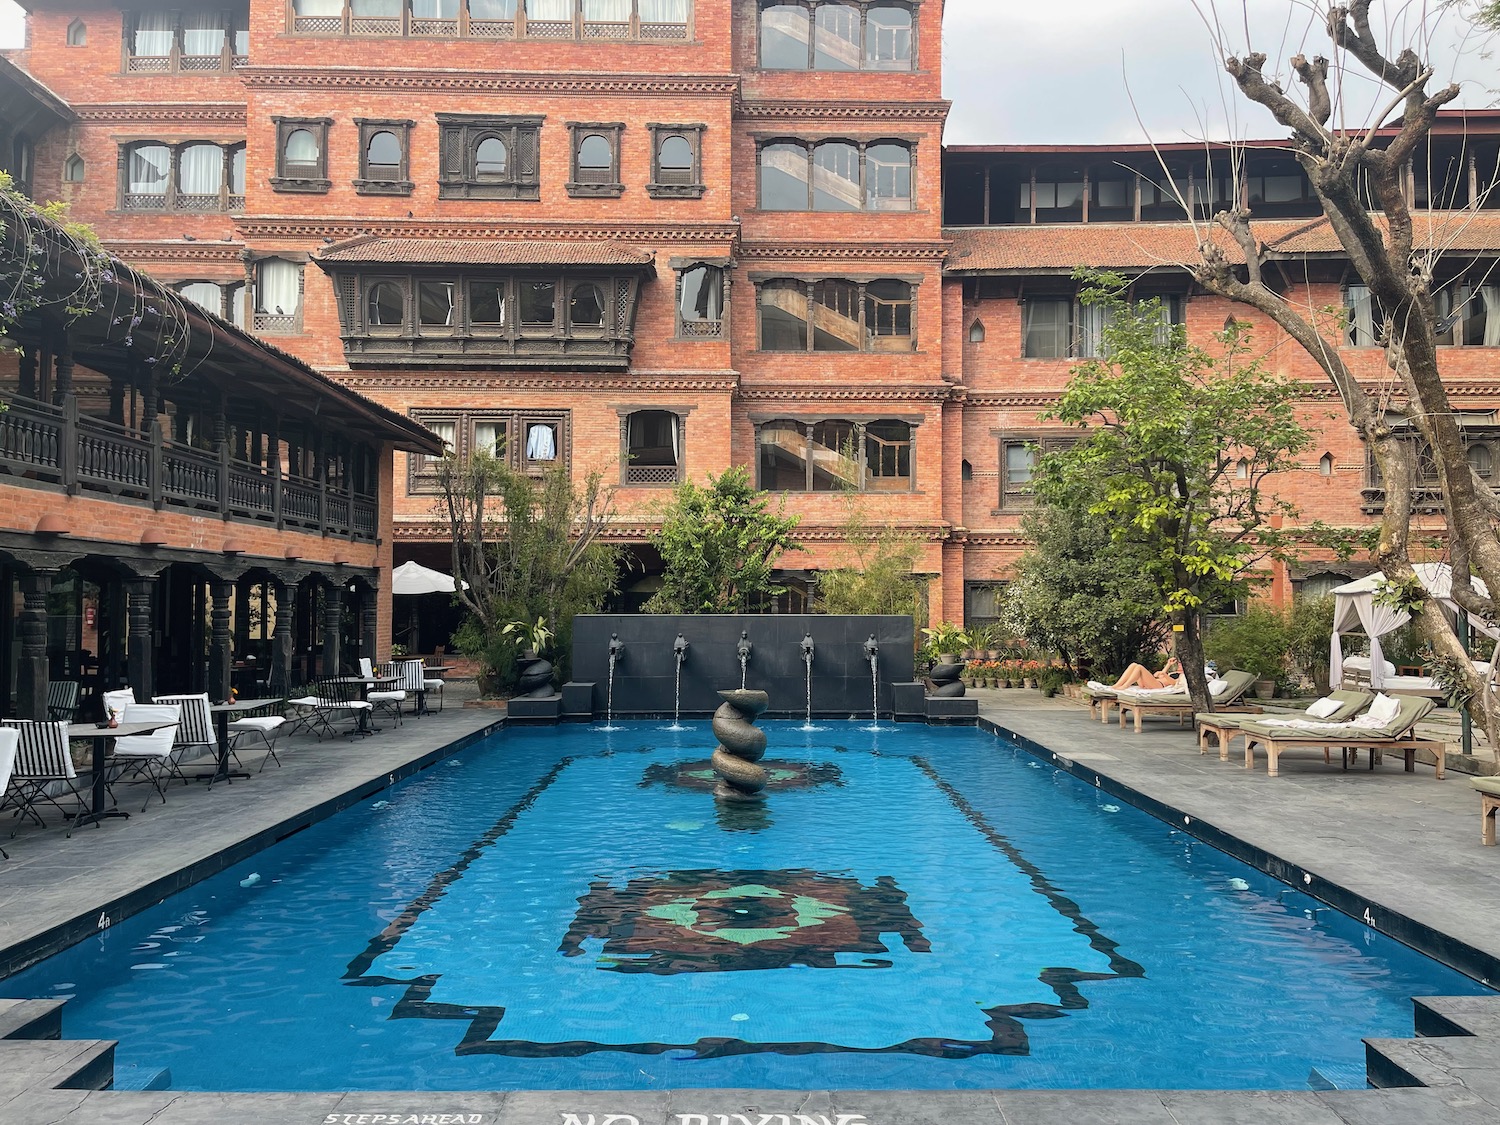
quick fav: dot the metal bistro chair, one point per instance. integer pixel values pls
(343, 695)
(62, 700)
(148, 755)
(42, 758)
(432, 685)
(389, 700)
(196, 729)
(267, 728)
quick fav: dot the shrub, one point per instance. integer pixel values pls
(1256, 641)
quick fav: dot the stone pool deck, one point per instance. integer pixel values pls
(1405, 844)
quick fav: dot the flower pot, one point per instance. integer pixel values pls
(1031, 681)
(1264, 689)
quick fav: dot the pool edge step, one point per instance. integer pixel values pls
(31, 1019)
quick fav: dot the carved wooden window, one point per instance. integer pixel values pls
(278, 297)
(836, 175)
(835, 315)
(676, 162)
(528, 441)
(596, 160)
(836, 455)
(651, 447)
(588, 20)
(384, 157)
(837, 35)
(489, 157)
(302, 154)
(172, 41)
(195, 176)
(700, 302)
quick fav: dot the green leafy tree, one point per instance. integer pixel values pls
(1176, 448)
(1309, 625)
(1083, 592)
(527, 550)
(880, 577)
(720, 543)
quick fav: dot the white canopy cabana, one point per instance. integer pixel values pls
(1355, 610)
(414, 578)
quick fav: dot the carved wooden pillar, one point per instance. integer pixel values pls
(220, 643)
(33, 677)
(148, 401)
(333, 625)
(116, 401)
(368, 605)
(27, 388)
(63, 385)
(140, 644)
(282, 645)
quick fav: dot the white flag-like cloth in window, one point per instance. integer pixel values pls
(541, 445)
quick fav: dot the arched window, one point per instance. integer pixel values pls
(386, 307)
(234, 304)
(653, 447)
(205, 294)
(785, 37)
(1481, 461)
(383, 157)
(491, 160)
(784, 177)
(888, 177)
(674, 161)
(888, 39)
(586, 308)
(1242, 469)
(1325, 465)
(237, 174)
(300, 155)
(837, 34)
(73, 169)
(976, 332)
(595, 160)
(836, 177)
(78, 34)
(700, 301)
(148, 175)
(200, 176)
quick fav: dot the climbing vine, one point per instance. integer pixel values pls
(44, 251)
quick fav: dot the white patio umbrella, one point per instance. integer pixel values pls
(414, 578)
(1356, 610)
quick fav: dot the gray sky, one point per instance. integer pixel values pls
(1056, 71)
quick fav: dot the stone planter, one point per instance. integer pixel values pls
(1264, 689)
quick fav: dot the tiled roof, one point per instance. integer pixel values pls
(483, 252)
(1051, 248)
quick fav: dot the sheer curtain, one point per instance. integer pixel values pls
(1490, 295)
(150, 166)
(664, 11)
(202, 33)
(489, 439)
(153, 34)
(278, 287)
(674, 424)
(492, 9)
(205, 294)
(607, 11)
(333, 8)
(200, 170)
(1361, 316)
(549, 9)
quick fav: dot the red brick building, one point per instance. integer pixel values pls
(657, 238)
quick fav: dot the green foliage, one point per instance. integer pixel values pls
(531, 635)
(1083, 592)
(720, 543)
(1308, 627)
(944, 638)
(530, 552)
(1176, 448)
(1255, 641)
(1406, 596)
(880, 577)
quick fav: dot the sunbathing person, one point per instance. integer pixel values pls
(1139, 676)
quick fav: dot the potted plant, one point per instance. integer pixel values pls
(945, 641)
(536, 672)
(1051, 680)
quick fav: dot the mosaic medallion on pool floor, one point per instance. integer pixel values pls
(604, 913)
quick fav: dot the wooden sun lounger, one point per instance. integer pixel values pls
(1183, 709)
(1399, 736)
(1489, 807)
(1229, 727)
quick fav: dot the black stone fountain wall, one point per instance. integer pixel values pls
(644, 674)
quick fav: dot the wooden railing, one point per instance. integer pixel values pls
(82, 454)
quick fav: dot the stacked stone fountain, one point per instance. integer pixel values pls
(741, 746)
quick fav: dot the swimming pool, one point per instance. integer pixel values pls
(562, 908)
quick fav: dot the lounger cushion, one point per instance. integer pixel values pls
(1383, 710)
(387, 696)
(1217, 688)
(1490, 785)
(265, 723)
(1323, 708)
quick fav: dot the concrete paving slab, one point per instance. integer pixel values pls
(1248, 1107)
(1084, 1107)
(1408, 1107)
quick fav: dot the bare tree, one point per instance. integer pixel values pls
(1359, 176)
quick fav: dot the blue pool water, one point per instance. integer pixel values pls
(563, 908)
